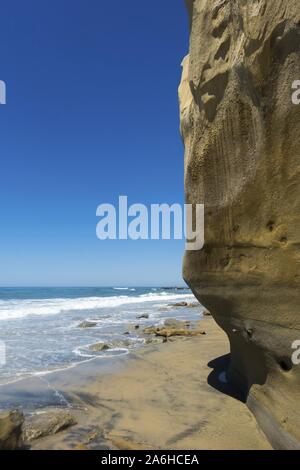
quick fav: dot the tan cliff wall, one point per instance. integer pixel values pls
(242, 160)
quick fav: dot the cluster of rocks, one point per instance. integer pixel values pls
(153, 334)
(173, 327)
(18, 431)
(145, 316)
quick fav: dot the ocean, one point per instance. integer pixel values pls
(40, 333)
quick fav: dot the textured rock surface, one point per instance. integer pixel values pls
(242, 160)
(11, 423)
(47, 423)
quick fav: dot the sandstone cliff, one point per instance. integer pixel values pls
(242, 160)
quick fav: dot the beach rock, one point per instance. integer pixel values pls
(167, 332)
(178, 304)
(98, 347)
(11, 423)
(241, 132)
(87, 324)
(172, 331)
(144, 315)
(47, 423)
(173, 323)
(150, 330)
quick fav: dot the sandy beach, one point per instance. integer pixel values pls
(164, 396)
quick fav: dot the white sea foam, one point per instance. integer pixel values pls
(121, 288)
(111, 352)
(13, 309)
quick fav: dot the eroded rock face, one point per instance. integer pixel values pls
(11, 423)
(242, 160)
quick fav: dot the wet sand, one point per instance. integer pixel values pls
(164, 396)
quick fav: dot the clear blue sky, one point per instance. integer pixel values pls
(91, 113)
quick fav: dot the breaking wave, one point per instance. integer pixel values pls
(12, 309)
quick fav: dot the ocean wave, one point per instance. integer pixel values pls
(121, 288)
(14, 309)
(83, 351)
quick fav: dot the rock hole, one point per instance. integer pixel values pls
(223, 50)
(219, 30)
(285, 364)
(270, 225)
(216, 9)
